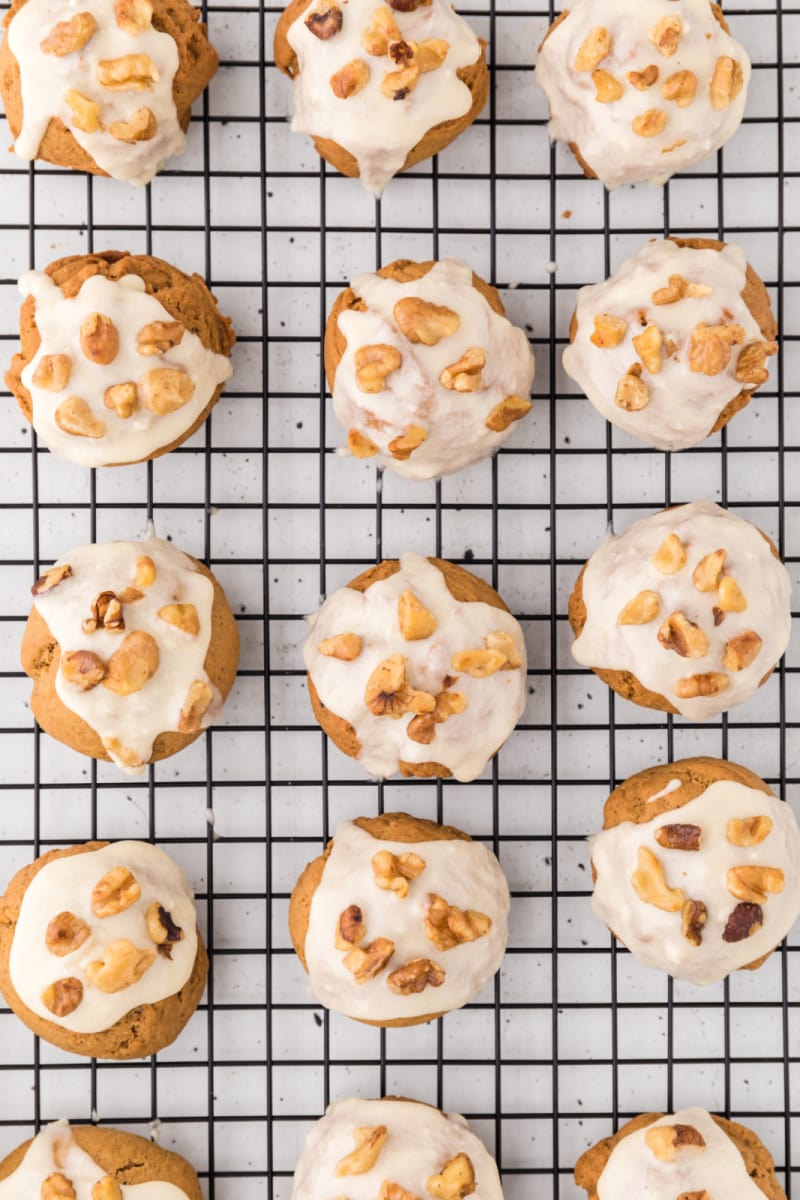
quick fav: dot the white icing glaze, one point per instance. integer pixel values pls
(671, 787)
(420, 1140)
(126, 302)
(379, 132)
(655, 936)
(684, 405)
(465, 742)
(53, 1150)
(603, 132)
(465, 874)
(46, 78)
(633, 1169)
(457, 434)
(137, 719)
(65, 885)
(622, 567)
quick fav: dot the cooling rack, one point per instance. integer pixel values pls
(573, 1037)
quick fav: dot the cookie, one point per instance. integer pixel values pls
(694, 870)
(688, 1154)
(106, 87)
(380, 89)
(659, 86)
(427, 374)
(122, 358)
(398, 915)
(99, 949)
(64, 1160)
(394, 1149)
(132, 649)
(417, 666)
(675, 342)
(687, 611)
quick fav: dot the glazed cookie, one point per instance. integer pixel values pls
(105, 86)
(417, 666)
(675, 342)
(394, 1149)
(379, 89)
(695, 870)
(99, 949)
(132, 649)
(394, 907)
(86, 1160)
(656, 87)
(427, 374)
(687, 611)
(686, 1154)
(123, 357)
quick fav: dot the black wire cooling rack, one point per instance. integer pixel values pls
(573, 1037)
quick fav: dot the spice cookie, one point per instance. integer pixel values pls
(687, 1154)
(99, 949)
(379, 89)
(642, 89)
(394, 1149)
(65, 1161)
(427, 373)
(675, 342)
(417, 666)
(695, 868)
(104, 86)
(132, 649)
(123, 357)
(397, 905)
(687, 611)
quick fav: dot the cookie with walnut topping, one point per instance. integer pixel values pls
(427, 374)
(99, 949)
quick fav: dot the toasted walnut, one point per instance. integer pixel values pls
(131, 73)
(62, 998)
(641, 610)
(632, 393)
(753, 884)
(369, 1143)
(513, 408)
(325, 21)
(159, 337)
(374, 364)
(594, 48)
(352, 77)
(667, 1141)
(85, 112)
(478, 663)
(65, 933)
(57, 1186)
(389, 694)
(466, 375)
(650, 885)
(607, 87)
(123, 398)
(382, 30)
(726, 82)
(680, 87)
(748, 831)
(648, 346)
(350, 928)
(130, 595)
(679, 837)
(53, 372)
(683, 636)
(99, 339)
(706, 575)
(424, 323)
(359, 445)
(670, 556)
(161, 927)
(416, 622)
(345, 646)
(430, 55)
(731, 596)
(750, 366)
(408, 5)
(666, 34)
(130, 667)
(504, 643)
(133, 16)
(141, 127)
(145, 572)
(397, 84)
(608, 331)
(67, 37)
(115, 892)
(403, 446)
(642, 80)
(165, 390)
(446, 925)
(107, 613)
(393, 872)
(741, 651)
(680, 288)
(455, 1180)
(199, 699)
(694, 915)
(122, 754)
(74, 416)
(422, 728)
(367, 962)
(392, 1191)
(123, 965)
(711, 346)
(181, 616)
(51, 579)
(744, 921)
(709, 684)
(82, 669)
(414, 976)
(106, 1188)
(650, 123)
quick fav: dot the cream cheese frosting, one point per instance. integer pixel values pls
(172, 611)
(716, 1167)
(464, 873)
(655, 934)
(99, 434)
(378, 129)
(489, 704)
(460, 427)
(105, 99)
(642, 88)
(701, 629)
(65, 886)
(681, 400)
(55, 1151)
(419, 1141)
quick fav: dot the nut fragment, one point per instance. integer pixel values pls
(393, 872)
(162, 929)
(632, 393)
(369, 1143)
(51, 579)
(741, 651)
(133, 664)
(67, 37)
(352, 77)
(106, 614)
(106, 1188)
(325, 21)
(504, 644)
(159, 337)
(403, 446)
(397, 84)
(430, 55)
(466, 375)
(748, 831)
(123, 398)
(359, 445)
(650, 885)
(116, 891)
(711, 345)
(744, 921)
(670, 556)
(53, 372)
(750, 366)
(141, 127)
(648, 346)
(181, 616)
(122, 754)
(607, 87)
(680, 288)
(82, 669)
(455, 1180)
(389, 694)
(382, 30)
(666, 34)
(374, 364)
(680, 87)
(650, 123)
(392, 1191)
(446, 925)
(74, 416)
(422, 728)
(706, 574)
(85, 112)
(683, 636)
(608, 331)
(199, 699)
(366, 962)
(133, 16)
(513, 408)
(415, 620)
(62, 998)
(753, 883)
(666, 1141)
(145, 571)
(479, 664)
(709, 684)
(123, 964)
(414, 976)
(641, 610)
(164, 390)
(731, 596)
(65, 933)
(593, 49)
(99, 339)
(694, 915)
(344, 646)
(424, 323)
(726, 82)
(642, 80)
(679, 837)
(350, 928)
(57, 1186)
(131, 73)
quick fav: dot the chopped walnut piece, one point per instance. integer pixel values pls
(744, 921)
(683, 636)
(642, 80)
(122, 965)
(325, 21)
(679, 837)
(344, 646)
(53, 372)
(430, 55)
(748, 831)
(666, 34)
(67, 37)
(85, 112)
(106, 1188)
(82, 669)
(513, 408)
(130, 667)
(159, 337)
(680, 288)
(632, 393)
(165, 390)
(122, 754)
(750, 366)
(641, 610)
(397, 84)
(57, 1186)
(670, 556)
(424, 323)
(374, 365)
(667, 1141)
(753, 883)
(594, 48)
(392, 1191)
(422, 728)
(199, 699)
(65, 933)
(446, 925)
(350, 928)
(62, 998)
(140, 127)
(162, 929)
(382, 30)
(504, 643)
(707, 573)
(145, 572)
(183, 617)
(107, 614)
(709, 684)
(403, 446)
(130, 73)
(369, 1143)
(359, 445)
(741, 651)
(389, 694)
(680, 87)
(479, 664)
(650, 123)
(726, 82)
(366, 962)
(648, 346)
(694, 915)
(415, 620)
(51, 579)
(74, 416)
(408, 5)
(133, 16)
(130, 595)
(608, 331)
(414, 976)
(608, 88)
(455, 1180)
(115, 892)
(393, 872)
(123, 399)
(711, 346)
(466, 375)
(352, 77)
(650, 885)
(731, 596)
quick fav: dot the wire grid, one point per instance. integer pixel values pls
(573, 1037)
